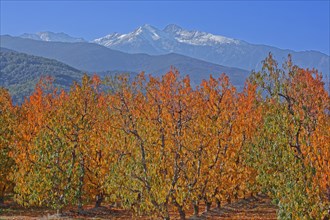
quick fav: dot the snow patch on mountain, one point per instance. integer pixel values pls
(202, 38)
(51, 36)
(144, 33)
(197, 37)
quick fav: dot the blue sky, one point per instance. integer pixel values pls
(297, 25)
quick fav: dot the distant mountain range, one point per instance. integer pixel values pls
(201, 45)
(206, 46)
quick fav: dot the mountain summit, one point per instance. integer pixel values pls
(144, 39)
(151, 40)
(51, 36)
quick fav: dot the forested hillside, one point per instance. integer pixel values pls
(21, 72)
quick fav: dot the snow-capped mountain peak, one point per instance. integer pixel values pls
(144, 39)
(147, 27)
(147, 31)
(51, 36)
(149, 39)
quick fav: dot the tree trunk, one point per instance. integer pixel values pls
(182, 214)
(196, 208)
(166, 215)
(99, 200)
(2, 195)
(218, 202)
(207, 205)
(228, 200)
(181, 211)
(80, 208)
(81, 184)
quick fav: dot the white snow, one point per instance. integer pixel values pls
(171, 36)
(50, 36)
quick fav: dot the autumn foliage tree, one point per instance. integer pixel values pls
(63, 150)
(291, 156)
(33, 115)
(151, 119)
(8, 122)
(219, 140)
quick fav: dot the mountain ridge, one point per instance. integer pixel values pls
(96, 58)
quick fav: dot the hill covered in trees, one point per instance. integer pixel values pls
(20, 73)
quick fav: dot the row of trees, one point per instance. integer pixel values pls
(157, 143)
